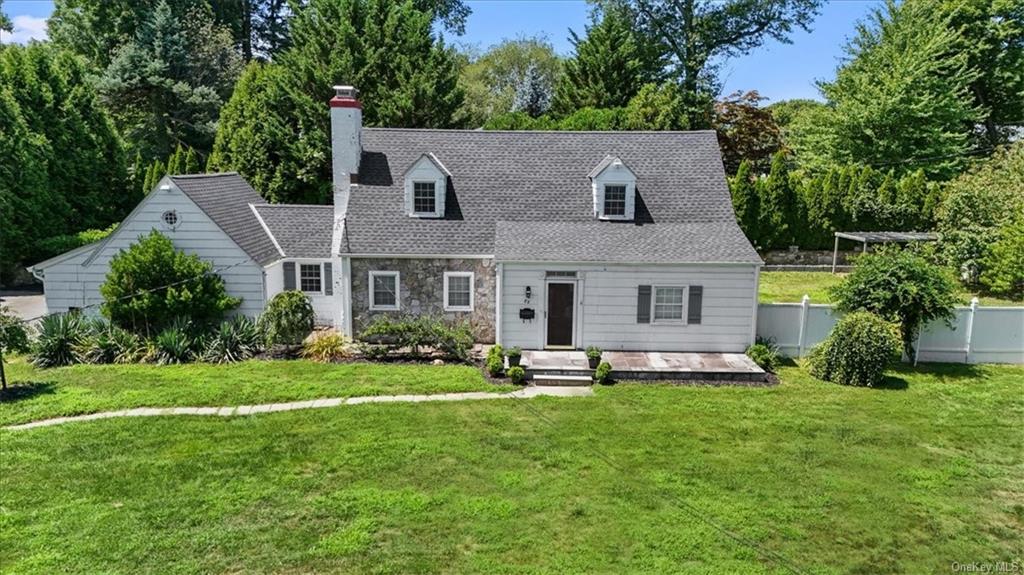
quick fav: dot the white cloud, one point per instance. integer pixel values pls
(25, 28)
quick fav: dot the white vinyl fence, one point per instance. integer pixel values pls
(979, 334)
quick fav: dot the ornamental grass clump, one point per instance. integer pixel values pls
(237, 339)
(59, 337)
(326, 347)
(857, 352)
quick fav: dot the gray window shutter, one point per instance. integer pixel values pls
(328, 279)
(643, 304)
(289, 275)
(693, 308)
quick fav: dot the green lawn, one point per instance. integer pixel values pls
(638, 479)
(782, 287)
(90, 388)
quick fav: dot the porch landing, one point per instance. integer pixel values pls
(647, 365)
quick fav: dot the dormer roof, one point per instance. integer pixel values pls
(604, 164)
(429, 156)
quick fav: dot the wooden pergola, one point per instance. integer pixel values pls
(866, 238)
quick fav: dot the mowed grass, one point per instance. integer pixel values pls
(44, 393)
(790, 287)
(805, 476)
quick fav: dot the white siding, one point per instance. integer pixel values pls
(326, 307)
(69, 284)
(607, 300)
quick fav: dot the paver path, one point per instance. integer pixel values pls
(524, 393)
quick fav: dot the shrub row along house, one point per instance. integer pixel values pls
(623, 240)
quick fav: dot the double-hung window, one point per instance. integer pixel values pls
(311, 278)
(424, 198)
(614, 200)
(458, 291)
(384, 295)
(669, 304)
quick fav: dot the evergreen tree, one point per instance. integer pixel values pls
(491, 80)
(609, 66)
(192, 165)
(745, 202)
(275, 129)
(166, 86)
(779, 207)
(533, 94)
(658, 107)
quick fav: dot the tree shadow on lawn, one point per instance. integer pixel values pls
(20, 390)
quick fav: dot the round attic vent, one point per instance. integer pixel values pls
(171, 219)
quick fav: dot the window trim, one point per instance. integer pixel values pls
(472, 289)
(685, 306)
(298, 276)
(625, 215)
(398, 290)
(604, 199)
(433, 212)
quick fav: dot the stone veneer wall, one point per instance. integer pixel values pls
(421, 291)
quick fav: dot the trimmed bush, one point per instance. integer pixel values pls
(237, 339)
(765, 355)
(59, 336)
(151, 285)
(288, 319)
(517, 374)
(857, 352)
(593, 352)
(603, 373)
(416, 333)
(495, 360)
(327, 347)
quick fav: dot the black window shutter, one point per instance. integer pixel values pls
(693, 309)
(289, 275)
(328, 279)
(643, 304)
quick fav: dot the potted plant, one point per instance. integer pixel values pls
(514, 355)
(593, 356)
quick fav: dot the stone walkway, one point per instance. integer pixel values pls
(525, 393)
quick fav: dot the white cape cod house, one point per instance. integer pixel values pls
(623, 240)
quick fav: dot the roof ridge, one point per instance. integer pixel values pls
(197, 176)
(268, 204)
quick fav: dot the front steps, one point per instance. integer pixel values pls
(554, 379)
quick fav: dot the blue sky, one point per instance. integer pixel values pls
(778, 71)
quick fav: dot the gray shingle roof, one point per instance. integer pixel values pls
(226, 198)
(302, 231)
(533, 177)
(626, 242)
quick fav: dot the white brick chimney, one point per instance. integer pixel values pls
(346, 149)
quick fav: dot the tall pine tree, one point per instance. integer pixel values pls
(746, 203)
(779, 205)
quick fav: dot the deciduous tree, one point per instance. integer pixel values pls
(746, 131)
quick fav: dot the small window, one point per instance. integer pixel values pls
(310, 278)
(669, 303)
(170, 218)
(458, 291)
(384, 291)
(424, 201)
(615, 200)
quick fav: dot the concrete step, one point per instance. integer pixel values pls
(561, 380)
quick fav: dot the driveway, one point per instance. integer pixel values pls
(25, 306)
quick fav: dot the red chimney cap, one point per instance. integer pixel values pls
(345, 97)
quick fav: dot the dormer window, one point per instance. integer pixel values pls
(614, 200)
(424, 198)
(614, 187)
(426, 182)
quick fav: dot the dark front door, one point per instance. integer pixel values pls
(560, 313)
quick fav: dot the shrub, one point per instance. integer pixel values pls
(237, 339)
(495, 360)
(13, 335)
(902, 287)
(765, 355)
(288, 319)
(603, 373)
(128, 347)
(593, 352)
(1003, 264)
(327, 347)
(135, 296)
(172, 345)
(415, 333)
(857, 351)
(59, 336)
(517, 374)
(97, 345)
